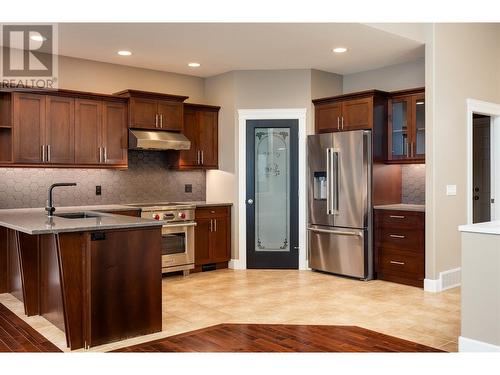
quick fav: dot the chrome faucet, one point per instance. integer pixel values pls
(50, 208)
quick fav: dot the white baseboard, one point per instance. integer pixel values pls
(447, 279)
(470, 345)
(236, 264)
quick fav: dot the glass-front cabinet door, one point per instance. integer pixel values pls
(406, 128)
(398, 128)
(418, 103)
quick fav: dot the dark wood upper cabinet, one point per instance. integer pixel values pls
(357, 114)
(60, 130)
(170, 115)
(151, 110)
(29, 128)
(358, 111)
(143, 113)
(114, 133)
(63, 128)
(88, 124)
(201, 127)
(406, 127)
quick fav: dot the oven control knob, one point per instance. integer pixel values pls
(156, 217)
(182, 215)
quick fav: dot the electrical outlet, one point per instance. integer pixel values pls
(98, 190)
(188, 188)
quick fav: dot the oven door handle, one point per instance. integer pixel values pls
(189, 224)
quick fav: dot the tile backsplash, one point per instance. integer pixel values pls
(147, 179)
(413, 184)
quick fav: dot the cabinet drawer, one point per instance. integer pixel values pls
(401, 239)
(209, 212)
(404, 264)
(393, 219)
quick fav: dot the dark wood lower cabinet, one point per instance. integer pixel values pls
(212, 237)
(400, 246)
(97, 287)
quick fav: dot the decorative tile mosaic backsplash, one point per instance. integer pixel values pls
(147, 179)
(414, 184)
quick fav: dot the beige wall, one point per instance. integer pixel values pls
(481, 288)
(462, 61)
(390, 78)
(93, 76)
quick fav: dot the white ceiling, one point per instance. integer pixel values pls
(222, 47)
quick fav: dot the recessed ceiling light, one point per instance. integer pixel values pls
(124, 53)
(194, 65)
(37, 38)
(340, 50)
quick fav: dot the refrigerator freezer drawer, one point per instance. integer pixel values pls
(343, 251)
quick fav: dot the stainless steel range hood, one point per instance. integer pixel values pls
(157, 140)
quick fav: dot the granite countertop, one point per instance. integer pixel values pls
(401, 207)
(490, 227)
(35, 220)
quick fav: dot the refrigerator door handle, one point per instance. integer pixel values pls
(338, 232)
(334, 171)
(328, 182)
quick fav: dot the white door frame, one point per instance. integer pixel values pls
(270, 114)
(492, 110)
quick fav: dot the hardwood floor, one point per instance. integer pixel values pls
(17, 336)
(280, 338)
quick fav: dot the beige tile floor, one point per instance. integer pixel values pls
(292, 297)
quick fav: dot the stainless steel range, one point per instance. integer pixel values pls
(177, 249)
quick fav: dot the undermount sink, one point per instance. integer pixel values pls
(78, 215)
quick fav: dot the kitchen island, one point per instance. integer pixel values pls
(94, 275)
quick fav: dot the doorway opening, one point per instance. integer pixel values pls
(481, 168)
(483, 161)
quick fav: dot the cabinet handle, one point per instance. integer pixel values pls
(342, 122)
(43, 153)
(407, 149)
(202, 157)
(396, 262)
(48, 153)
(156, 120)
(211, 225)
(396, 236)
(397, 217)
(338, 123)
(105, 155)
(100, 155)
(161, 120)
(411, 150)
(198, 157)
(215, 221)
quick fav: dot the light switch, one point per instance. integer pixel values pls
(451, 189)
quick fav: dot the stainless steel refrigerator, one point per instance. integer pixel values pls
(339, 194)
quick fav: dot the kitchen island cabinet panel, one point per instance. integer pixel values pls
(135, 308)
